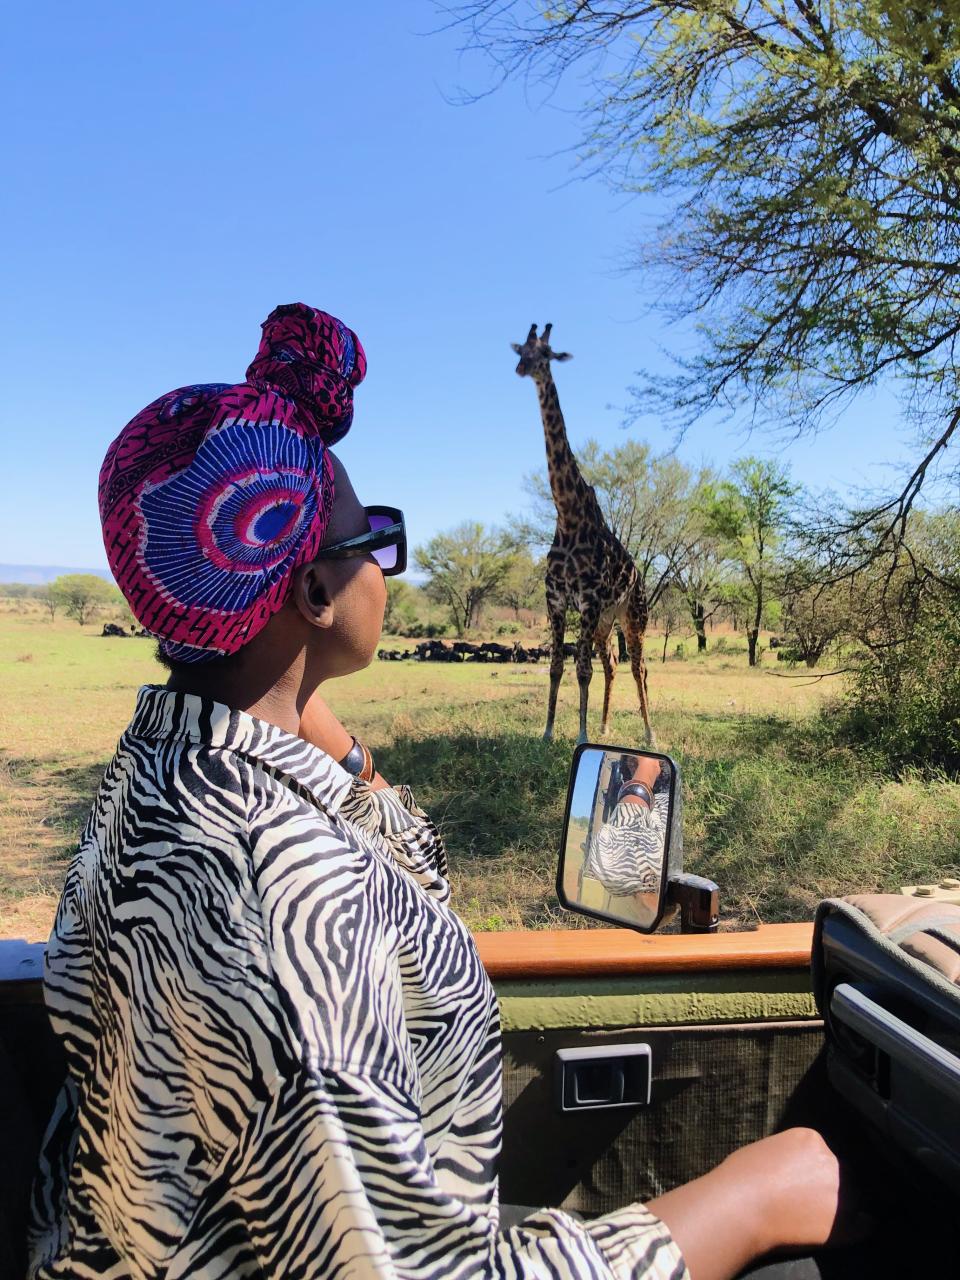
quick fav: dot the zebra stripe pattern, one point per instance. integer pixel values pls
(283, 1051)
(626, 854)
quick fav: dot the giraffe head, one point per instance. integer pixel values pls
(536, 354)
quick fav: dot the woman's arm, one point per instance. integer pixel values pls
(320, 726)
(784, 1192)
(647, 772)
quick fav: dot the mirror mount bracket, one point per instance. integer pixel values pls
(698, 900)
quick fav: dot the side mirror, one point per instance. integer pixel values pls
(621, 852)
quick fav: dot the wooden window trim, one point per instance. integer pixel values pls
(564, 953)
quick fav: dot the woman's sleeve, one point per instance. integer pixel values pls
(332, 1178)
(345, 1168)
(414, 841)
(626, 854)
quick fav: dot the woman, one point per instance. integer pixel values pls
(626, 854)
(283, 1053)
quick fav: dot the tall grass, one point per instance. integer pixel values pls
(775, 811)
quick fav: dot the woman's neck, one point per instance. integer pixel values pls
(256, 687)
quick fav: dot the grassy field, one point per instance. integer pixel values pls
(773, 812)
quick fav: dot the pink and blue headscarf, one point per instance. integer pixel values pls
(214, 494)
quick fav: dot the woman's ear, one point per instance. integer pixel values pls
(313, 594)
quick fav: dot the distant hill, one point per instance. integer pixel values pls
(37, 575)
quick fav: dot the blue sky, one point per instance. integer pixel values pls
(586, 784)
(174, 171)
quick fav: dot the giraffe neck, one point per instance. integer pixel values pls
(567, 485)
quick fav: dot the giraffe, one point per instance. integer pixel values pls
(588, 568)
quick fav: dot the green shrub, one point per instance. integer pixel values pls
(904, 700)
(425, 630)
(790, 654)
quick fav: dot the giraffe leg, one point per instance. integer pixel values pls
(557, 627)
(608, 659)
(585, 668)
(634, 628)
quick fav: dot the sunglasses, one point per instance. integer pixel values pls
(386, 541)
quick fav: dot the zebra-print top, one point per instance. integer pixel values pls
(626, 854)
(283, 1052)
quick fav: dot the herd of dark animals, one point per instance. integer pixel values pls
(464, 651)
(428, 651)
(115, 630)
(439, 651)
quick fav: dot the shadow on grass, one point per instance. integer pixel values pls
(43, 807)
(73, 785)
(498, 799)
(781, 821)
(490, 795)
(756, 735)
(759, 798)
(773, 811)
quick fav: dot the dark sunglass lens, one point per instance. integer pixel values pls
(386, 557)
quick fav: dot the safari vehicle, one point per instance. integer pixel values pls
(635, 1061)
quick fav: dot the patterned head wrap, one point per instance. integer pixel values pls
(212, 495)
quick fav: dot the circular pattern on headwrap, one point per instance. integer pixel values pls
(215, 493)
(250, 492)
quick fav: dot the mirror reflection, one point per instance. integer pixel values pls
(618, 834)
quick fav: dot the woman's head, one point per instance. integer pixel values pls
(329, 622)
(340, 600)
(216, 499)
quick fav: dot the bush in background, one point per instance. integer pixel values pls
(904, 699)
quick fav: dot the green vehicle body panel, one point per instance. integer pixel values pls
(656, 1000)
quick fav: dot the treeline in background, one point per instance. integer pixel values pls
(835, 591)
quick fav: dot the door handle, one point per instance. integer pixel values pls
(616, 1075)
(935, 1065)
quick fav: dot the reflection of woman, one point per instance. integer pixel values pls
(626, 852)
(283, 1054)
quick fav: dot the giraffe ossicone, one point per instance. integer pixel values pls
(588, 568)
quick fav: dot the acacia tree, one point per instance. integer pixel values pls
(50, 600)
(701, 579)
(815, 615)
(400, 613)
(903, 695)
(671, 610)
(464, 568)
(891, 595)
(522, 586)
(750, 513)
(80, 594)
(808, 152)
(703, 573)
